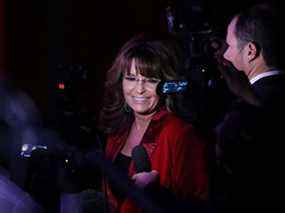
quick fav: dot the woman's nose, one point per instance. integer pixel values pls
(140, 87)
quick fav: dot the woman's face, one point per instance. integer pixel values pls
(140, 92)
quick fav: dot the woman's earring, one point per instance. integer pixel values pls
(127, 109)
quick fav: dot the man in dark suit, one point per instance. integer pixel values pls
(250, 137)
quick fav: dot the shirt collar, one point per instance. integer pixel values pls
(263, 75)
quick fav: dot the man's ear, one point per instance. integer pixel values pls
(253, 51)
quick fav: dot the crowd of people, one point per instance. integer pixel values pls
(154, 160)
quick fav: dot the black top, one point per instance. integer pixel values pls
(251, 140)
(122, 162)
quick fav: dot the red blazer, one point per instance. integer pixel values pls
(175, 150)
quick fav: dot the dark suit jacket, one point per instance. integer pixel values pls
(250, 142)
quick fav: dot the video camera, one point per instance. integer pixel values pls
(199, 43)
(67, 156)
(202, 44)
(65, 166)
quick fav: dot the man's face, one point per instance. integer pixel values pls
(234, 53)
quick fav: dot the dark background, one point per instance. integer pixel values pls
(40, 35)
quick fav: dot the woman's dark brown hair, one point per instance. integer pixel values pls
(157, 58)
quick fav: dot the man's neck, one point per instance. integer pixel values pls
(257, 69)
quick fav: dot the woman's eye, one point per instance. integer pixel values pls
(153, 80)
(130, 78)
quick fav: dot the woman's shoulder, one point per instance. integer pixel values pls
(173, 124)
(178, 129)
(173, 119)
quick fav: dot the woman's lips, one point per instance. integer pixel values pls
(139, 99)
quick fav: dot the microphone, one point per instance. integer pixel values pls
(141, 159)
(172, 86)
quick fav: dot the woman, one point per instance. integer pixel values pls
(134, 113)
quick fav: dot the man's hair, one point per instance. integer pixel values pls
(260, 25)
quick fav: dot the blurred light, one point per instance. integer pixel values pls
(61, 86)
(25, 147)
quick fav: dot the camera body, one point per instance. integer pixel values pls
(202, 44)
(27, 149)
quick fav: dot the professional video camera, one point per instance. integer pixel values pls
(70, 156)
(201, 45)
(199, 41)
(69, 168)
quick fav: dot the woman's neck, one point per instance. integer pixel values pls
(136, 133)
(142, 121)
